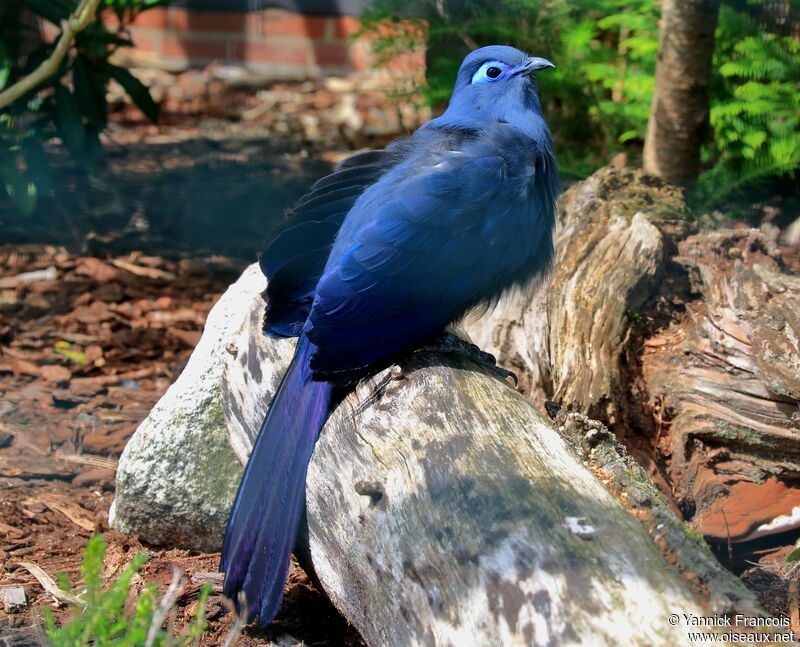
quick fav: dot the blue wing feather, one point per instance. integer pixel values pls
(295, 258)
(431, 244)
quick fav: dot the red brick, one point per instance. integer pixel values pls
(331, 53)
(346, 26)
(110, 19)
(277, 22)
(198, 21)
(200, 48)
(143, 40)
(271, 52)
(156, 17)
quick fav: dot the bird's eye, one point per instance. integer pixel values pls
(489, 71)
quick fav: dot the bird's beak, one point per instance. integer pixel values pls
(533, 64)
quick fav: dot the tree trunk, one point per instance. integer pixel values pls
(679, 113)
(684, 343)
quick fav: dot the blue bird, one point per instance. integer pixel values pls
(380, 256)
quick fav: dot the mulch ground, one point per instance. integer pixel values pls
(87, 346)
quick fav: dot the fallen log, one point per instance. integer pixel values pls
(684, 343)
(442, 507)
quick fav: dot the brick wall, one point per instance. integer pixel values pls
(274, 42)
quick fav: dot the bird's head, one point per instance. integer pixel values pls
(496, 84)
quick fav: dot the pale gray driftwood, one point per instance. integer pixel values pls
(444, 510)
(614, 233)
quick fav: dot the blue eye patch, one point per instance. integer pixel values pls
(489, 72)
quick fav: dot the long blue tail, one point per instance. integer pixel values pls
(263, 524)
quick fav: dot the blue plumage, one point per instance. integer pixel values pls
(379, 257)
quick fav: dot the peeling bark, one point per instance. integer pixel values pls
(727, 380)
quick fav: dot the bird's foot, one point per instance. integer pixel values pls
(450, 343)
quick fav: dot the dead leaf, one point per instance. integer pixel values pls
(48, 584)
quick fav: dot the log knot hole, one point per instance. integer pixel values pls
(372, 489)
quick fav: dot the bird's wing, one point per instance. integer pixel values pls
(448, 236)
(293, 261)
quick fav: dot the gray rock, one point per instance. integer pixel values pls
(178, 474)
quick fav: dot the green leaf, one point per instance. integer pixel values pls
(93, 150)
(794, 555)
(38, 166)
(5, 66)
(627, 136)
(19, 187)
(69, 122)
(136, 90)
(90, 92)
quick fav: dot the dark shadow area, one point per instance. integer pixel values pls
(194, 198)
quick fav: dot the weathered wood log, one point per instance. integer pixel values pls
(614, 235)
(685, 344)
(442, 508)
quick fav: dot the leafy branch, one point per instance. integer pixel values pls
(77, 22)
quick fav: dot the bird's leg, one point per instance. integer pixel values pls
(449, 343)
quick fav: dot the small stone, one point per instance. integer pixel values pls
(13, 598)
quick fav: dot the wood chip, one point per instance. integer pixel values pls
(55, 373)
(101, 462)
(49, 274)
(188, 337)
(149, 272)
(72, 511)
(11, 530)
(23, 367)
(24, 464)
(49, 585)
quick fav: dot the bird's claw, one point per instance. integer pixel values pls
(449, 343)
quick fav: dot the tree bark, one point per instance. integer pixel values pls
(679, 113)
(444, 510)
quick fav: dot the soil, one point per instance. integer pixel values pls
(85, 352)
